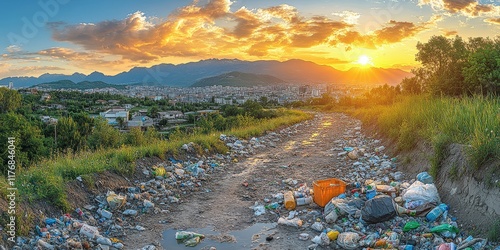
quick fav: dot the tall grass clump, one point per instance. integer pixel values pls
(473, 121)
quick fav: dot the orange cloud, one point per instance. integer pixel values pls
(392, 33)
(450, 32)
(214, 30)
(493, 21)
(467, 7)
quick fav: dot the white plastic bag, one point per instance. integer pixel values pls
(419, 191)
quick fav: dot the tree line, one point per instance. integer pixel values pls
(455, 67)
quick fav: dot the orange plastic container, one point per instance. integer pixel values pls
(325, 190)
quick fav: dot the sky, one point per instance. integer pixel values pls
(68, 36)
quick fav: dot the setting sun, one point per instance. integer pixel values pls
(364, 60)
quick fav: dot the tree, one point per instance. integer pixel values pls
(482, 72)
(135, 137)
(153, 112)
(68, 136)
(104, 136)
(121, 122)
(442, 60)
(10, 100)
(411, 86)
(28, 144)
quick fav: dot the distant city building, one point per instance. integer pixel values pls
(45, 97)
(140, 122)
(172, 114)
(112, 114)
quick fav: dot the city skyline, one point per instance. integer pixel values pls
(63, 36)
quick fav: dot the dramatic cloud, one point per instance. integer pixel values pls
(214, 30)
(493, 21)
(392, 33)
(471, 8)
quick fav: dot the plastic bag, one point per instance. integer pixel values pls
(425, 178)
(115, 201)
(418, 191)
(295, 222)
(378, 209)
(343, 207)
(348, 240)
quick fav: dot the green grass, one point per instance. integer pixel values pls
(494, 232)
(46, 180)
(473, 121)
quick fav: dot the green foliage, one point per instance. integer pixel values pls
(482, 71)
(455, 67)
(68, 136)
(10, 100)
(473, 121)
(440, 143)
(494, 232)
(28, 140)
(104, 136)
(135, 137)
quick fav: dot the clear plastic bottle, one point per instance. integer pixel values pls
(304, 201)
(436, 212)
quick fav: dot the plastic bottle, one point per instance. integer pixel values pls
(304, 201)
(411, 225)
(299, 194)
(289, 200)
(436, 212)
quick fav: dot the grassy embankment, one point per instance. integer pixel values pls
(473, 121)
(46, 180)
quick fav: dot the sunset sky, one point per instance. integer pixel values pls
(67, 36)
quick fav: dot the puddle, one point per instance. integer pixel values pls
(242, 239)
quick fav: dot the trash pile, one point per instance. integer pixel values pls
(102, 224)
(371, 207)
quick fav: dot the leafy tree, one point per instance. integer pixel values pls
(482, 72)
(28, 140)
(411, 85)
(103, 135)
(10, 100)
(121, 122)
(85, 124)
(442, 60)
(230, 110)
(153, 112)
(135, 137)
(68, 136)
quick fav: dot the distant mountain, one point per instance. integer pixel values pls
(239, 79)
(67, 84)
(184, 75)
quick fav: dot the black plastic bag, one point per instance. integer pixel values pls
(378, 209)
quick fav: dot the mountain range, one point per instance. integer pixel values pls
(185, 75)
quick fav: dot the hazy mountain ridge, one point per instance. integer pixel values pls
(239, 79)
(184, 75)
(68, 84)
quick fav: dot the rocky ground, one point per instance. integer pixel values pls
(222, 197)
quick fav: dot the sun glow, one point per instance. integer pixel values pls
(364, 60)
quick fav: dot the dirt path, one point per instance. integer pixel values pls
(304, 154)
